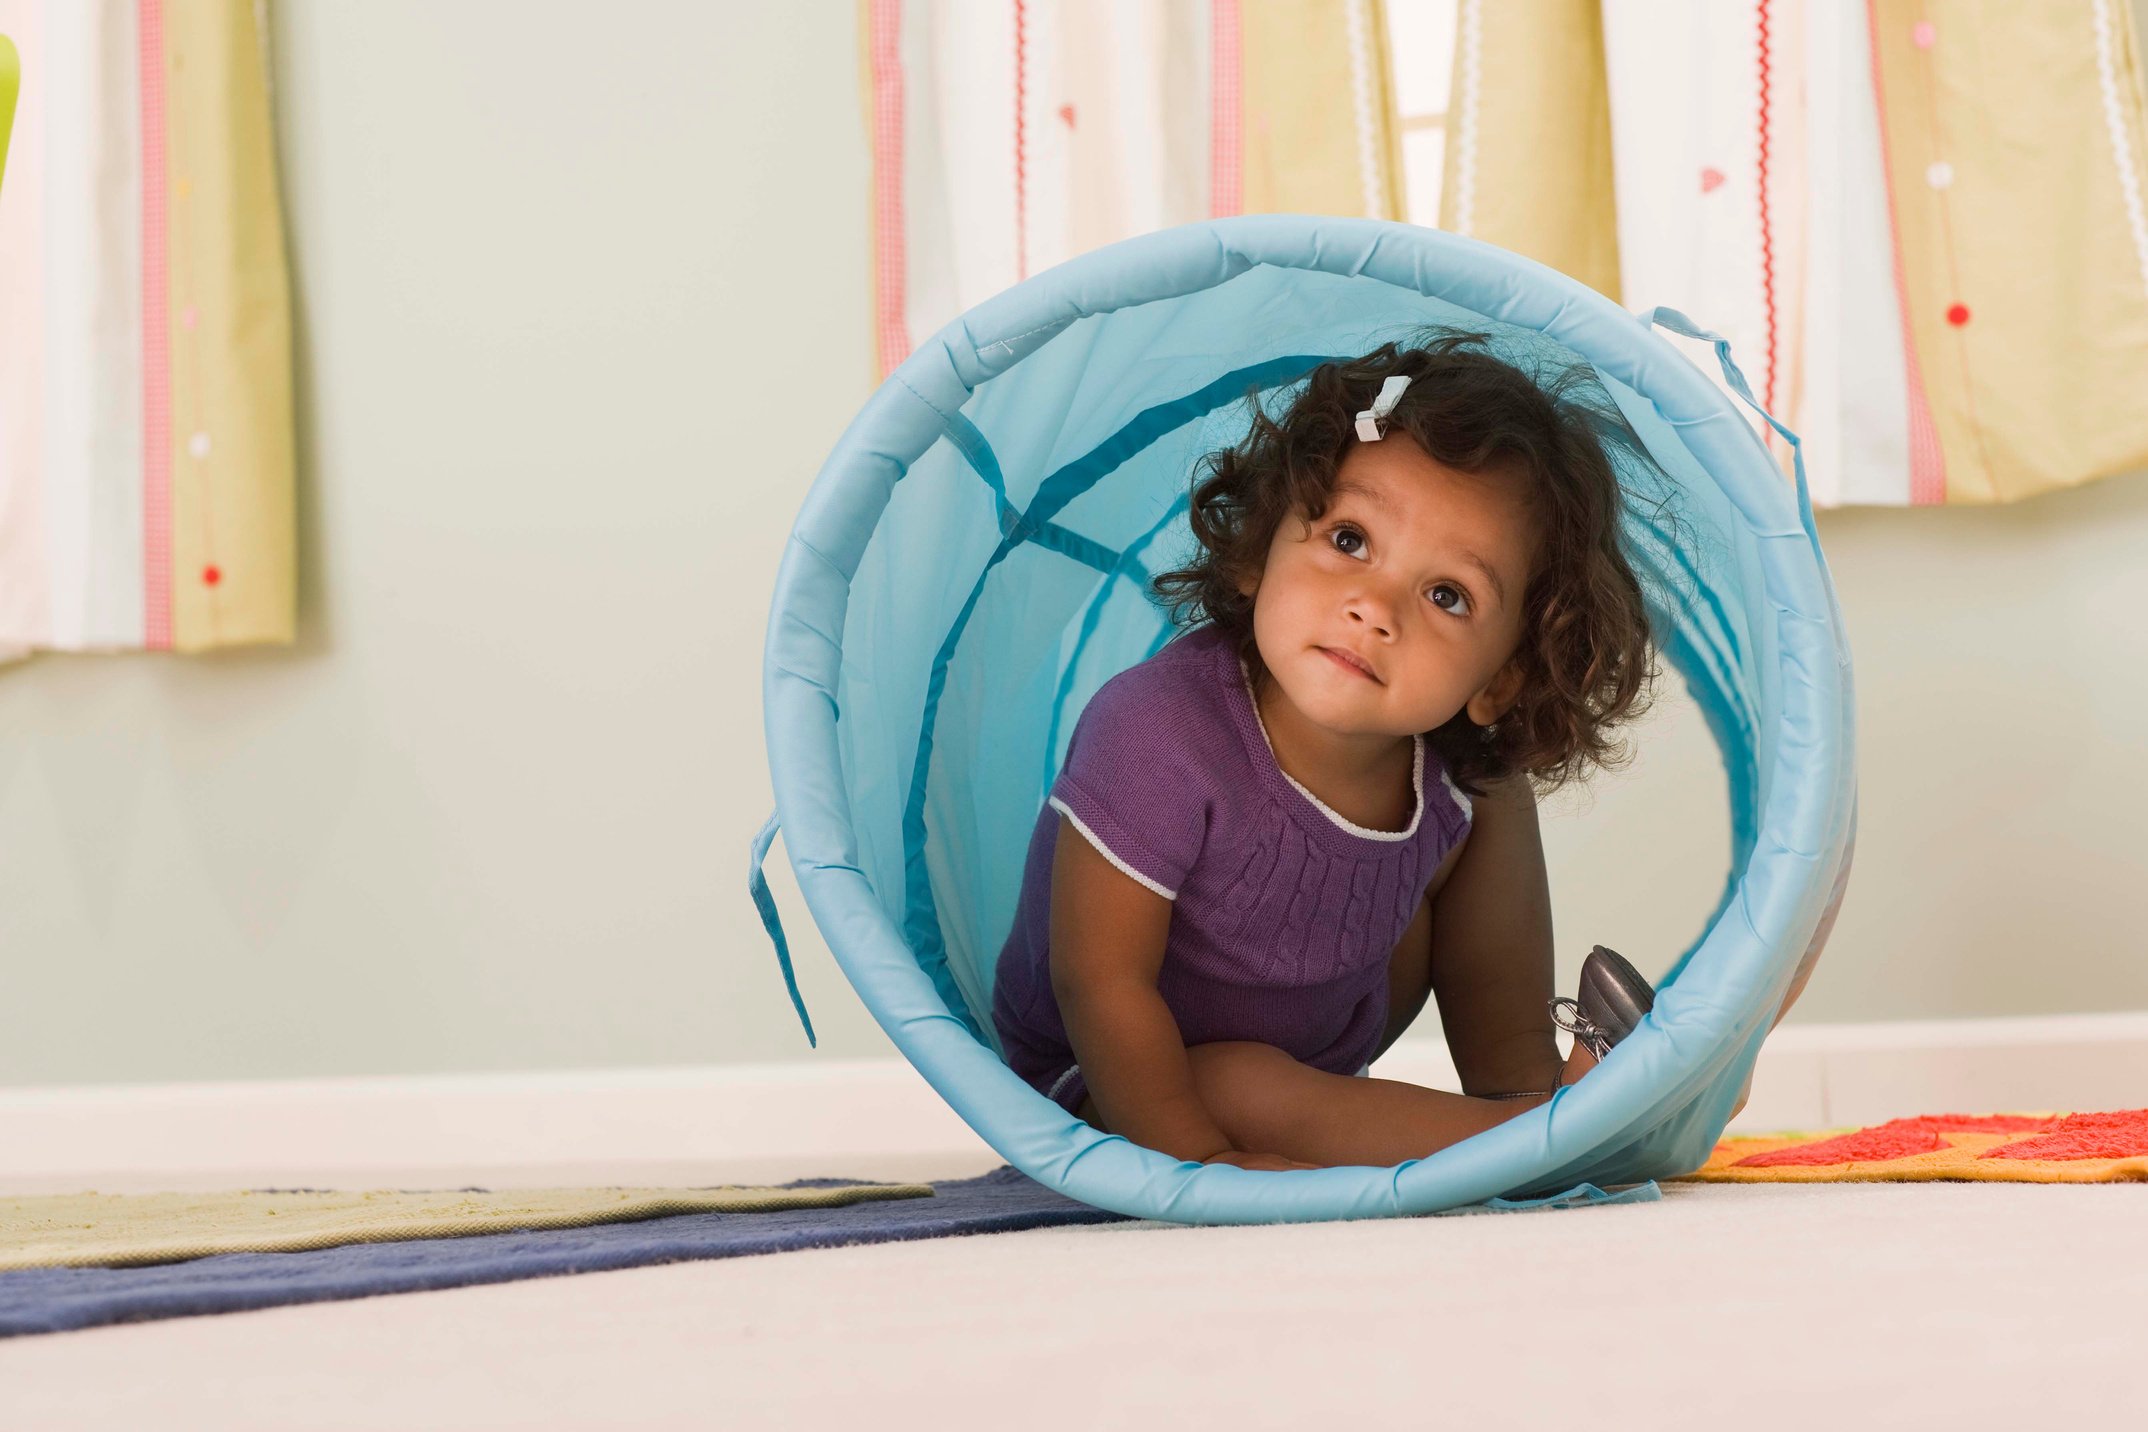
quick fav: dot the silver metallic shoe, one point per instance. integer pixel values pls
(1614, 998)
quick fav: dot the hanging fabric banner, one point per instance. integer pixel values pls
(10, 74)
(1528, 137)
(2016, 148)
(1008, 137)
(146, 450)
(1920, 226)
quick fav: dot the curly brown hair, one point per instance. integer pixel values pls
(1588, 661)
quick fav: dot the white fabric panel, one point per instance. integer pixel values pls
(93, 327)
(1115, 138)
(1856, 411)
(1136, 114)
(25, 604)
(958, 157)
(1046, 161)
(1817, 421)
(1684, 94)
(1685, 108)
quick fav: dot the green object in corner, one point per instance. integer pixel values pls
(10, 79)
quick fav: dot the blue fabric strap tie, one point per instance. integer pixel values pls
(757, 885)
(1677, 322)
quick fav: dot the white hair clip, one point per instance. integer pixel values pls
(1370, 423)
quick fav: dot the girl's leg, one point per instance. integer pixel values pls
(1268, 1102)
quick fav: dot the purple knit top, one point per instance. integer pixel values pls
(1285, 913)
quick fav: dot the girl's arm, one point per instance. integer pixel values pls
(1107, 946)
(1491, 948)
(1409, 968)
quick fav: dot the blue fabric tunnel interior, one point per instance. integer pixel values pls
(971, 564)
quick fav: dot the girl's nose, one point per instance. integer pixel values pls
(1372, 616)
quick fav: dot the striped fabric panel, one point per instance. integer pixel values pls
(1764, 122)
(156, 339)
(1021, 139)
(146, 446)
(2117, 81)
(1226, 145)
(1528, 148)
(1702, 208)
(10, 77)
(1854, 413)
(883, 37)
(75, 392)
(1041, 92)
(92, 484)
(1927, 462)
(2021, 276)
(25, 585)
(1756, 194)
(1367, 97)
(1460, 202)
(233, 513)
(1010, 136)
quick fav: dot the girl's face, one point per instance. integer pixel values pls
(1416, 568)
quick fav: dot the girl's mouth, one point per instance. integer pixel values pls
(1346, 663)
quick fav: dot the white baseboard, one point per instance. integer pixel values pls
(814, 1117)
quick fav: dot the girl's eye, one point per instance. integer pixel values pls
(1456, 601)
(1446, 596)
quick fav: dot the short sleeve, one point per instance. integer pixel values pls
(1133, 782)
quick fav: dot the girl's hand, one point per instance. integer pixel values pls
(1271, 1162)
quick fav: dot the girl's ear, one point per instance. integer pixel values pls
(1498, 695)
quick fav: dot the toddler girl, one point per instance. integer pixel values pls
(1313, 808)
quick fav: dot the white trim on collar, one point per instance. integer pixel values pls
(1417, 775)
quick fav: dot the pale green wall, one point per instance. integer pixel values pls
(582, 304)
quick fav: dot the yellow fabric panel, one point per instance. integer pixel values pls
(81, 1230)
(1542, 124)
(10, 81)
(2042, 387)
(1299, 97)
(233, 503)
(1386, 113)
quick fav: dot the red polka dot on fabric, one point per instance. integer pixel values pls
(210, 576)
(1958, 314)
(1923, 33)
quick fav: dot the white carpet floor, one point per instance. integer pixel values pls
(1961, 1306)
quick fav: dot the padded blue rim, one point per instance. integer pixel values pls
(1738, 973)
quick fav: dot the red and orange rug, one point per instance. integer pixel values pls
(2022, 1148)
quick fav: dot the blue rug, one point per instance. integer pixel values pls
(50, 1300)
(43, 1300)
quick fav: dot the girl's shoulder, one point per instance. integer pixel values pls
(1150, 761)
(1165, 691)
